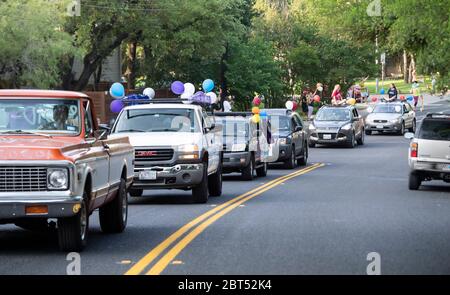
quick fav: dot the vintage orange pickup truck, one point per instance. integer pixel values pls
(57, 166)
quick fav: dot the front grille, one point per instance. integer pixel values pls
(23, 179)
(153, 155)
(380, 121)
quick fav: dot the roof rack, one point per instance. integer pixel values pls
(226, 114)
(137, 101)
(440, 115)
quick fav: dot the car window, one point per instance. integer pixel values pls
(298, 120)
(433, 129)
(333, 114)
(88, 123)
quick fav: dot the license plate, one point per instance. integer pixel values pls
(380, 126)
(447, 168)
(327, 136)
(147, 175)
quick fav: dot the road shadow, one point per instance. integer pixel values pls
(435, 188)
(162, 199)
(14, 239)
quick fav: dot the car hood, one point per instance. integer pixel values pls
(383, 116)
(161, 139)
(37, 148)
(330, 124)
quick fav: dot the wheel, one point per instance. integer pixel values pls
(413, 127)
(361, 139)
(113, 216)
(215, 182)
(352, 141)
(368, 132)
(402, 131)
(73, 231)
(291, 161)
(302, 161)
(414, 181)
(249, 171)
(136, 192)
(262, 171)
(200, 192)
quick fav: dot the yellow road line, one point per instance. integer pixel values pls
(153, 254)
(167, 258)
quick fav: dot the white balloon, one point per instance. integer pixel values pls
(150, 92)
(320, 89)
(289, 105)
(213, 96)
(185, 96)
(189, 89)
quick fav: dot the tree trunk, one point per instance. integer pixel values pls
(131, 64)
(405, 66)
(412, 69)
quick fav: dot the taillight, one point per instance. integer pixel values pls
(414, 149)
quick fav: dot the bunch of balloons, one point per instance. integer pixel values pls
(117, 91)
(291, 105)
(187, 91)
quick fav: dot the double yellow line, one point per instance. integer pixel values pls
(203, 221)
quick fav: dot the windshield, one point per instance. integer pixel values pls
(435, 130)
(333, 115)
(234, 127)
(392, 109)
(53, 116)
(157, 120)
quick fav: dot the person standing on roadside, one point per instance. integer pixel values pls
(416, 92)
(304, 102)
(433, 85)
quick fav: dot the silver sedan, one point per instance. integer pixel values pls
(391, 117)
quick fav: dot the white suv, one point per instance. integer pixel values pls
(429, 152)
(177, 146)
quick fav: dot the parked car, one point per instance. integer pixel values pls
(291, 137)
(429, 151)
(243, 144)
(337, 125)
(55, 163)
(391, 117)
(177, 147)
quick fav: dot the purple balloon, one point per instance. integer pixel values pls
(177, 87)
(116, 106)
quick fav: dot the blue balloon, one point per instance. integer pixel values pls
(410, 98)
(117, 91)
(382, 91)
(263, 114)
(208, 85)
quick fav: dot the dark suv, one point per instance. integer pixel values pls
(242, 144)
(337, 125)
(290, 137)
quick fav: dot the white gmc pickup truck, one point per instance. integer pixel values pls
(177, 146)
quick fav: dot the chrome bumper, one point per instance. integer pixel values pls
(177, 176)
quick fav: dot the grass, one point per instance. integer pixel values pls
(402, 87)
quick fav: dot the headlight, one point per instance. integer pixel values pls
(283, 141)
(347, 126)
(312, 127)
(238, 147)
(188, 151)
(398, 120)
(58, 178)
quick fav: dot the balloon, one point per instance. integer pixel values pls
(213, 96)
(295, 106)
(117, 91)
(382, 91)
(351, 101)
(320, 89)
(189, 89)
(402, 97)
(289, 105)
(149, 92)
(256, 118)
(316, 98)
(263, 114)
(208, 85)
(410, 98)
(257, 101)
(116, 106)
(185, 96)
(255, 110)
(177, 87)
(374, 99)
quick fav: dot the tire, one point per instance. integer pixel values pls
(351, 143)
(215, 182)
(304, 159)
(248, 172)
(262, 171)
(368, 132)
(291, 161)
(200, 192)
(414, 181)
(114, 215)
(361, 140)
(413, 127)
(73, 231)
(136, 192)
(402, 131)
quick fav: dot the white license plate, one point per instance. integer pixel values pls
(380, 126)
(327, 136)
(147, 175)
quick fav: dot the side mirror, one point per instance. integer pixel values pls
(298, 128)
(409, 135)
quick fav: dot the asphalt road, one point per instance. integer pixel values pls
(324, 220)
